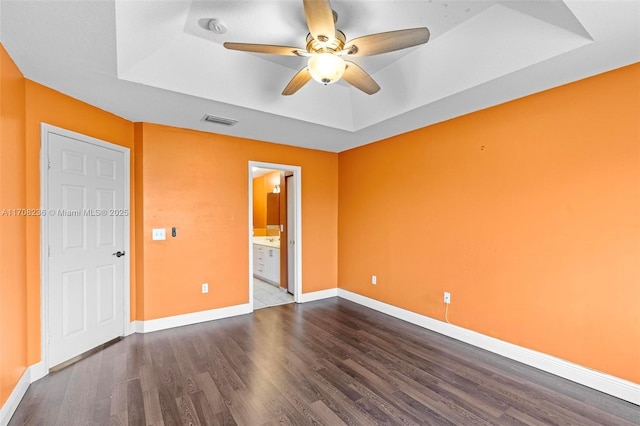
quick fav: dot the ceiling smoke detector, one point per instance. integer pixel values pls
(217, 26)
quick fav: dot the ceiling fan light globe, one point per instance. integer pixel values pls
(326, 68)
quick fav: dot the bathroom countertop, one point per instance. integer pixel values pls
(265, 241)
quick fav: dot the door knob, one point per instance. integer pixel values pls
(119, 254)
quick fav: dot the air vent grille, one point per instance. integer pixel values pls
(219, 120)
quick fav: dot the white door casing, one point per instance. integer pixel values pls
(291, 238)
(85, 282)
(296, 258)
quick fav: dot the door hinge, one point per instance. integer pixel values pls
(49, 251)
(49, 164)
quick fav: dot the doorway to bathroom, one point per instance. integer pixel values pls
(274, 234)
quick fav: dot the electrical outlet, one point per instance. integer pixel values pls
(374, 279)
(158, 234)
(205, 288)
(447, 297)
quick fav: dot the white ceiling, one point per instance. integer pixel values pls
(154, 61)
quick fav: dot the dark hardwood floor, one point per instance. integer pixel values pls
(329, 362)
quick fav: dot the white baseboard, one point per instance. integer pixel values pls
(318, 295)
(14, 399)
(193, 318)
(130, 328)
(597, 380)
(214, 314)
(37, 372)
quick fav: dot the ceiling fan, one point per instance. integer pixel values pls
(327, 47)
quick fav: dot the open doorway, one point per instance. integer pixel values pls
(274, 234)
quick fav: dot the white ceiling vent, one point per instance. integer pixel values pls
(219, 120)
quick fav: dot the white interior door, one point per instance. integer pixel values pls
(291, 234)
(86, 218)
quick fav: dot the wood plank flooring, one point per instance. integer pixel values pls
(330, 362)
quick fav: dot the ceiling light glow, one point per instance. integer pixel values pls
(326, 68)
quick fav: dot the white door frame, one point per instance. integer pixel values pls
(297, 175)
(45, 130)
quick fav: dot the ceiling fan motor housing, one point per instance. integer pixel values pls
(331, 45)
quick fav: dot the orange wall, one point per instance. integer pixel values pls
(528, 213)
(13, 292)
(51, 107)
(198, 182)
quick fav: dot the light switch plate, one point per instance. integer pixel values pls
(158, 234)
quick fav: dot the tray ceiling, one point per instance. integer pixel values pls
(156, 61)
